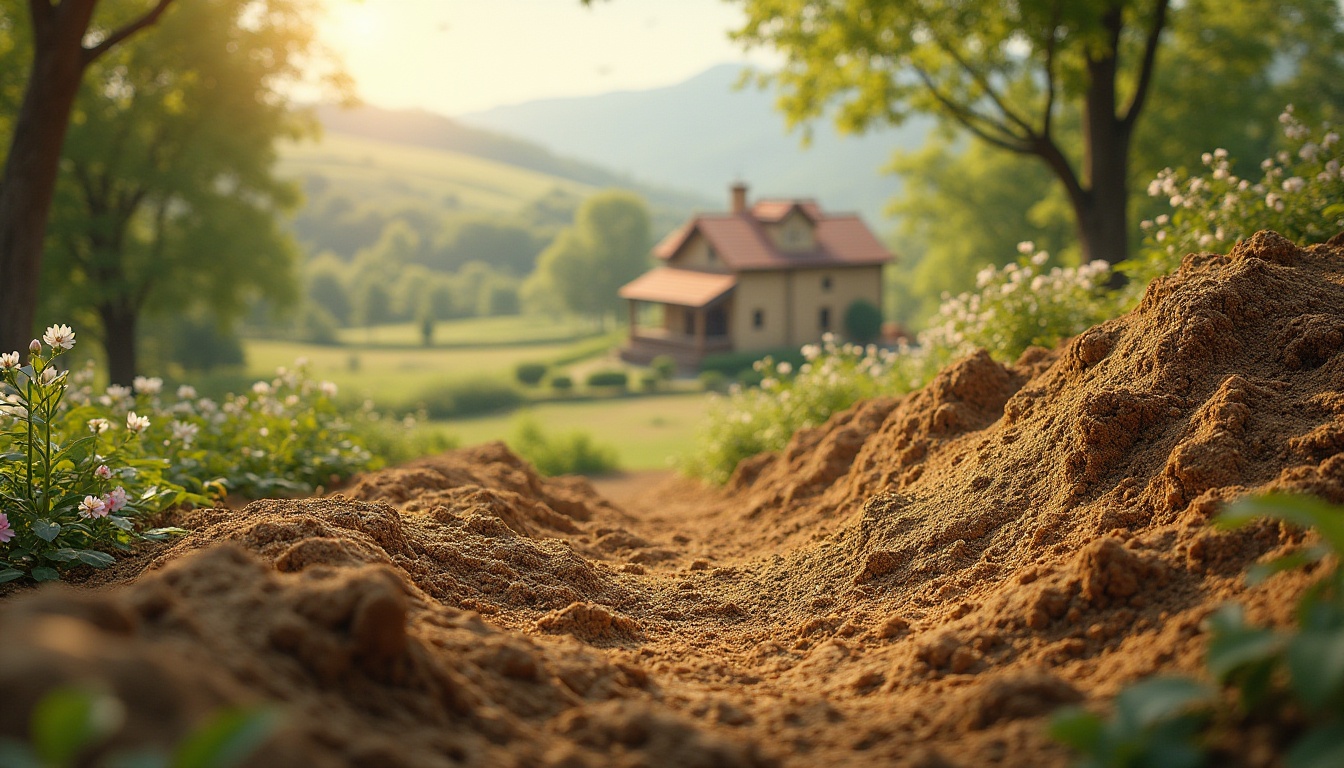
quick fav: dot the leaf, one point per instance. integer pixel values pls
(1149, 702)
(64, 554)
(43, 573)
(16, 755)
(69, 720)
(1077, 728)
(1306, 511)
(46, 530)
(95, 558)
(1234, 647)
(1316, 662)
(227, 740)
(1259, 572)
(10, 574)
(121, 522)
(146, 758)
(1321, 747)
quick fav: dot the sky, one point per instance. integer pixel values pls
(459, 56)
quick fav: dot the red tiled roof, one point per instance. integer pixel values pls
(683, 287)
(743, 245)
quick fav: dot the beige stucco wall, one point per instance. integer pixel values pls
(695, 255)
(771, 292)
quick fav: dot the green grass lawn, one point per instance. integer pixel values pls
(646, 431)
(474, 332)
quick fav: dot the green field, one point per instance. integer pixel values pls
(511, 330)
(647, 432)
(398, 174)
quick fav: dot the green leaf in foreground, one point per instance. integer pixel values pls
(69, 720)
(227, 740)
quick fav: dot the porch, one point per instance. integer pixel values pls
(679, 313)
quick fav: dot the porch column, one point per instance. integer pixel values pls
(634, 318)
(700, 330)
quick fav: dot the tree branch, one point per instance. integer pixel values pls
(1047, 124)
(976, 123)
(1149, 62)
(90, 54)
(987, 87)
(41, 11)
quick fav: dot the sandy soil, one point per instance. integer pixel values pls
(920, 581)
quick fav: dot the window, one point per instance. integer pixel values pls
(758, 318)
(824, 319)
(826, 283)
(710, 255)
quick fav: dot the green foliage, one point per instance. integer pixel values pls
(574, 453)
(863, 322)
(608, 379)
(731, 364)
(201, 344)
(468, 397)
(69, 723)
(1292, 681)
(562, 383)
(530, 374)
(67, 492)
(1299, 196)
(713, 381)
(606, 248)
(664, 367)
(167, 198)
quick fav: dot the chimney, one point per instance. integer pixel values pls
(739, 197)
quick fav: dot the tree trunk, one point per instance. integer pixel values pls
(29, 179)
(119, 322)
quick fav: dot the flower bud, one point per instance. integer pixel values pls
(34, 346)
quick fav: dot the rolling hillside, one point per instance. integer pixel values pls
(701, 134)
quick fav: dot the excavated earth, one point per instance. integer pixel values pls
(920, 581)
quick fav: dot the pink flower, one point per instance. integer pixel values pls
(92, 507)
(102, 472)
(116, 500)
(6, 532)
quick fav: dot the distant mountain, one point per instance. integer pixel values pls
(418, 128)
(703, 133)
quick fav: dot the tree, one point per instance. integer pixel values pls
(66, 39)
(605, 248)
(170, 200)
(1005, 72)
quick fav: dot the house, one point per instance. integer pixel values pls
(775, 274)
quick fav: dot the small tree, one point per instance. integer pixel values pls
(863, 322)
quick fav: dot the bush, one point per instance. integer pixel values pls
(863, 322)
(649, 381)
(713, 381)
(468, 397)
(664, 367)
(602, 379)
(530, 374)
(562, 383)
(730, 364)
(574, 453)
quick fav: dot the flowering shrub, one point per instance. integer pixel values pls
(750, 420)
(1300, 195)
(72, 482)
(1014, 307)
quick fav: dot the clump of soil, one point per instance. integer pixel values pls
(920, 581)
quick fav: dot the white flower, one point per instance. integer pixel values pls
(1207, 158)
(147, 386)
(261, 388)
(1025, 247)
(49, 375)
(118, 392)
(59, 336)
(1220, 153)
(784, 368)
(9, 360)
(1177, 201)
(99, 426)
(1294, 184)
(136, 423)
(186, 392)
(92, 507)
(185, 432)
(1040, 258)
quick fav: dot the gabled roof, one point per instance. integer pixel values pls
(741, 241)
(683, 287)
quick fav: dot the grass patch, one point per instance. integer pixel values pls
(474, 332)
(646, 432)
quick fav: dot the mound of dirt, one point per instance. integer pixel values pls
(920, 581)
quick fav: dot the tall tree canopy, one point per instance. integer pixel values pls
(167, 197)
(606, 248)
(65, 38)
(1013, 74)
